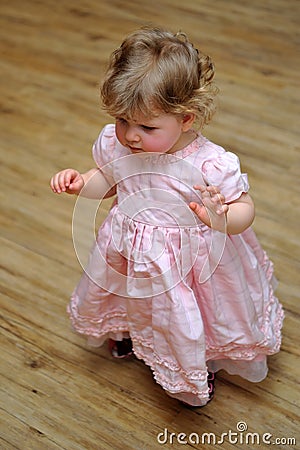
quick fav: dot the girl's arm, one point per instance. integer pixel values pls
(91, 184)
(231, 218)
(240, 215)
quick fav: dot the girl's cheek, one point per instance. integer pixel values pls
(119, 134)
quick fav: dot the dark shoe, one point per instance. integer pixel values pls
(211, 385)
(120, 349)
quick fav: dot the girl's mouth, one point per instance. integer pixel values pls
(135, 149)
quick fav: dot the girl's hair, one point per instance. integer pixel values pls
(156, 71)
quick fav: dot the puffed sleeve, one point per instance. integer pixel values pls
(104, 151)
(224, 171)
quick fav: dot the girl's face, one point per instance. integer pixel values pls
(164, 133)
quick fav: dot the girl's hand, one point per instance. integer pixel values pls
(213, 211)
(68, 180)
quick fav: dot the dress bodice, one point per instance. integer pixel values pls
(156, 188)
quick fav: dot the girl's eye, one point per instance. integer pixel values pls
(146, 128)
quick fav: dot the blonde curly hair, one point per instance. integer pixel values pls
(156, 71)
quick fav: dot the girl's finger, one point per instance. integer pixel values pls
(56, 184)
(200, 187)
(218, 198)
(213, 189)
(60, 182)
(195, 207)
(69, 176)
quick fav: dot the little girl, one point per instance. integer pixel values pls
(177, 275)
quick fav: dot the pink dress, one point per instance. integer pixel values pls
(192, 299)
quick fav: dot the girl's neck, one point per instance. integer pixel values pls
(186, 139)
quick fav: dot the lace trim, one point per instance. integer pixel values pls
(197, 375)
(181, 386)
(96, 327)
(179, 380)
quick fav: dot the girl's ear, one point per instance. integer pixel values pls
(187, 121)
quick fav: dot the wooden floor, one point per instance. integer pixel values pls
(56, 393)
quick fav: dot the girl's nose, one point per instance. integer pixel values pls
(131, 134)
